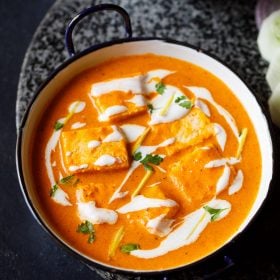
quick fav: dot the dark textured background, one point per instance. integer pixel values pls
(26, 251)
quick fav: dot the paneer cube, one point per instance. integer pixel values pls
(98, 192)
(194, 183)
(189, 131)
(94, 149)
(117, 105)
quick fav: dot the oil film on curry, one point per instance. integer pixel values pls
(143, 162)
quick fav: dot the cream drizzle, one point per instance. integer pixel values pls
(131, 84)
(93, 144)
(133, 166)
(140, 84)
(223, 180)
(221, 135)
(51, 145)
(110, 111)
(74, 168)
(122, 194)
(114, 136)
(188, 232)
(160, 225)
(151, 79)
(204, 93)
(174, 112)
(137, 100)
(141, 202)
(62, 159)
(61, 197)
(144, 150)
(237, 183)
(105, 160)
(76, 107)
(203, 107)
(77, 125)
(132, 131)
(221, 162)
(89, 212)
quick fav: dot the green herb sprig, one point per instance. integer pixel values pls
(148, 160)
(87, 228)
(127, 248)
(58, 125)
(69, 180)
(183, 102)
(53, 190)
(150, 108)
(215, 213)
(160, 87)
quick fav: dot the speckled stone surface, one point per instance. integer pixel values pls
(224, 28)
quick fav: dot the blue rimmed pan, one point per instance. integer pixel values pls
(79, 62)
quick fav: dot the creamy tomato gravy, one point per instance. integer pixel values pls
(149, 151)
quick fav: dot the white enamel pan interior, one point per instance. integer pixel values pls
(135, 47)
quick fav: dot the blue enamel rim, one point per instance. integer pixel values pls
(29, 203)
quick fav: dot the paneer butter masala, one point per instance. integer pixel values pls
(145, 162)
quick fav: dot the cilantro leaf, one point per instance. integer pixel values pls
(180, 98)
(148, 167)
(85, 228)
(186, 104)
(58, 125)
(181, 101)
(215, 213)
(127, 248)
(137, 156)
(150, 108)
(153, 159)
(53, 189)
(69, 180)
(147, 160)
(160, 87)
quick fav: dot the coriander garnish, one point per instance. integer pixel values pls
(58, 125)
(215, 213)
(186, 104)
(160, 87)
(87, 228)
(150, 108)
(137, 156)
(127, 248)
(180, 98)
(181, 101)
(148, 159)
(69, 180)
(53, 189)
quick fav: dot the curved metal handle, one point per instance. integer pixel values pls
(102, 7)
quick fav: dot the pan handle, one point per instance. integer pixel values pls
(102, 7)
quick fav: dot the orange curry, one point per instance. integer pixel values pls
(144, 162)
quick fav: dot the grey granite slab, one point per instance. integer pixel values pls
(224, 28)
